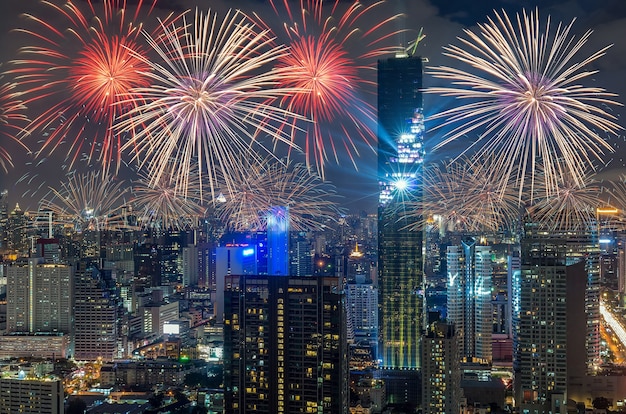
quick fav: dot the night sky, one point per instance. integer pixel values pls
(442, 22)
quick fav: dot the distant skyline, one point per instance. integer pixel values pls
(442, 22)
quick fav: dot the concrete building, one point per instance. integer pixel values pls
(97, 304)
(551, 335)
(284, 345)
(39, 296)
(441, 372)
(21, 394)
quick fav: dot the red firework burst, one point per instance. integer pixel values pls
(80, 73)
(325, 81)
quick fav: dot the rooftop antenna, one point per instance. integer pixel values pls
(410, 50)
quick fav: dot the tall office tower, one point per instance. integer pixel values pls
(583, 246)
(96, 309)
(551, 323)
(191, 265)
(21, 394)
(278, 241)
(231, 259)
(441, 372)
(17, 240)
(300, 255)
(514, 266)
(206, 264)
(147, 259)
(4, 216)
(362, 297)
(400, 261)
(39, 297)
(170, 245)
(285, 349)
(469, 298)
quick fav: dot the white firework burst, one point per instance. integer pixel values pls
(209, 99)
(87, 202)
(524, 100)
(311, 202)
(163, 205)
(572, 206)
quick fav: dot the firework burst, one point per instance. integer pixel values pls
(463, 196)
(572, 206)
(80, 71)
(326, 80)
(12, 115)
(207, 101)
(525, 102)
(163, 206)
(87, 202)
(272, 183)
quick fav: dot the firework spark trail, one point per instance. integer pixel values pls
(572, 206)
(269, 184)
(464, 196)
(87, 202)
(525, 102)
(208, 99)
(162, 205)
(327, 80)
(79, 72)
(12, 120)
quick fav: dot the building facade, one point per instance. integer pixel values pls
(400, 257)
(285, 349)
(31, 396)
(96, 321)
(469, 298)
(550, 327)
(39, 297)
(441, 372)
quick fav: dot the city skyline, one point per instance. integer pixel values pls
(441, 23)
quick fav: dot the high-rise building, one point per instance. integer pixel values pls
(17, 240)
(39, 297)
(300, 255)
(469, 298)
(362, 297)
(400, 258)
(441, 384)
(96, 314)
(278, 241)
(191, 265)
(550, 308)
(231, 259)
(285, 349)
(21, 394)
(4, 216)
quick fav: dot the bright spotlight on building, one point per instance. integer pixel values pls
(401, 184)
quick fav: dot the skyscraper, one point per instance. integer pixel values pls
(96, 314)
(39, 297)
(231, 259)
(400, 157)
(285, 349)
(278, 241)
(469, 298)
(549, 328)
(441, 385)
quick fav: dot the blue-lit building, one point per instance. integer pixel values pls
(231, 259)
(278, 241)
(400, 257)
(469, 298)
